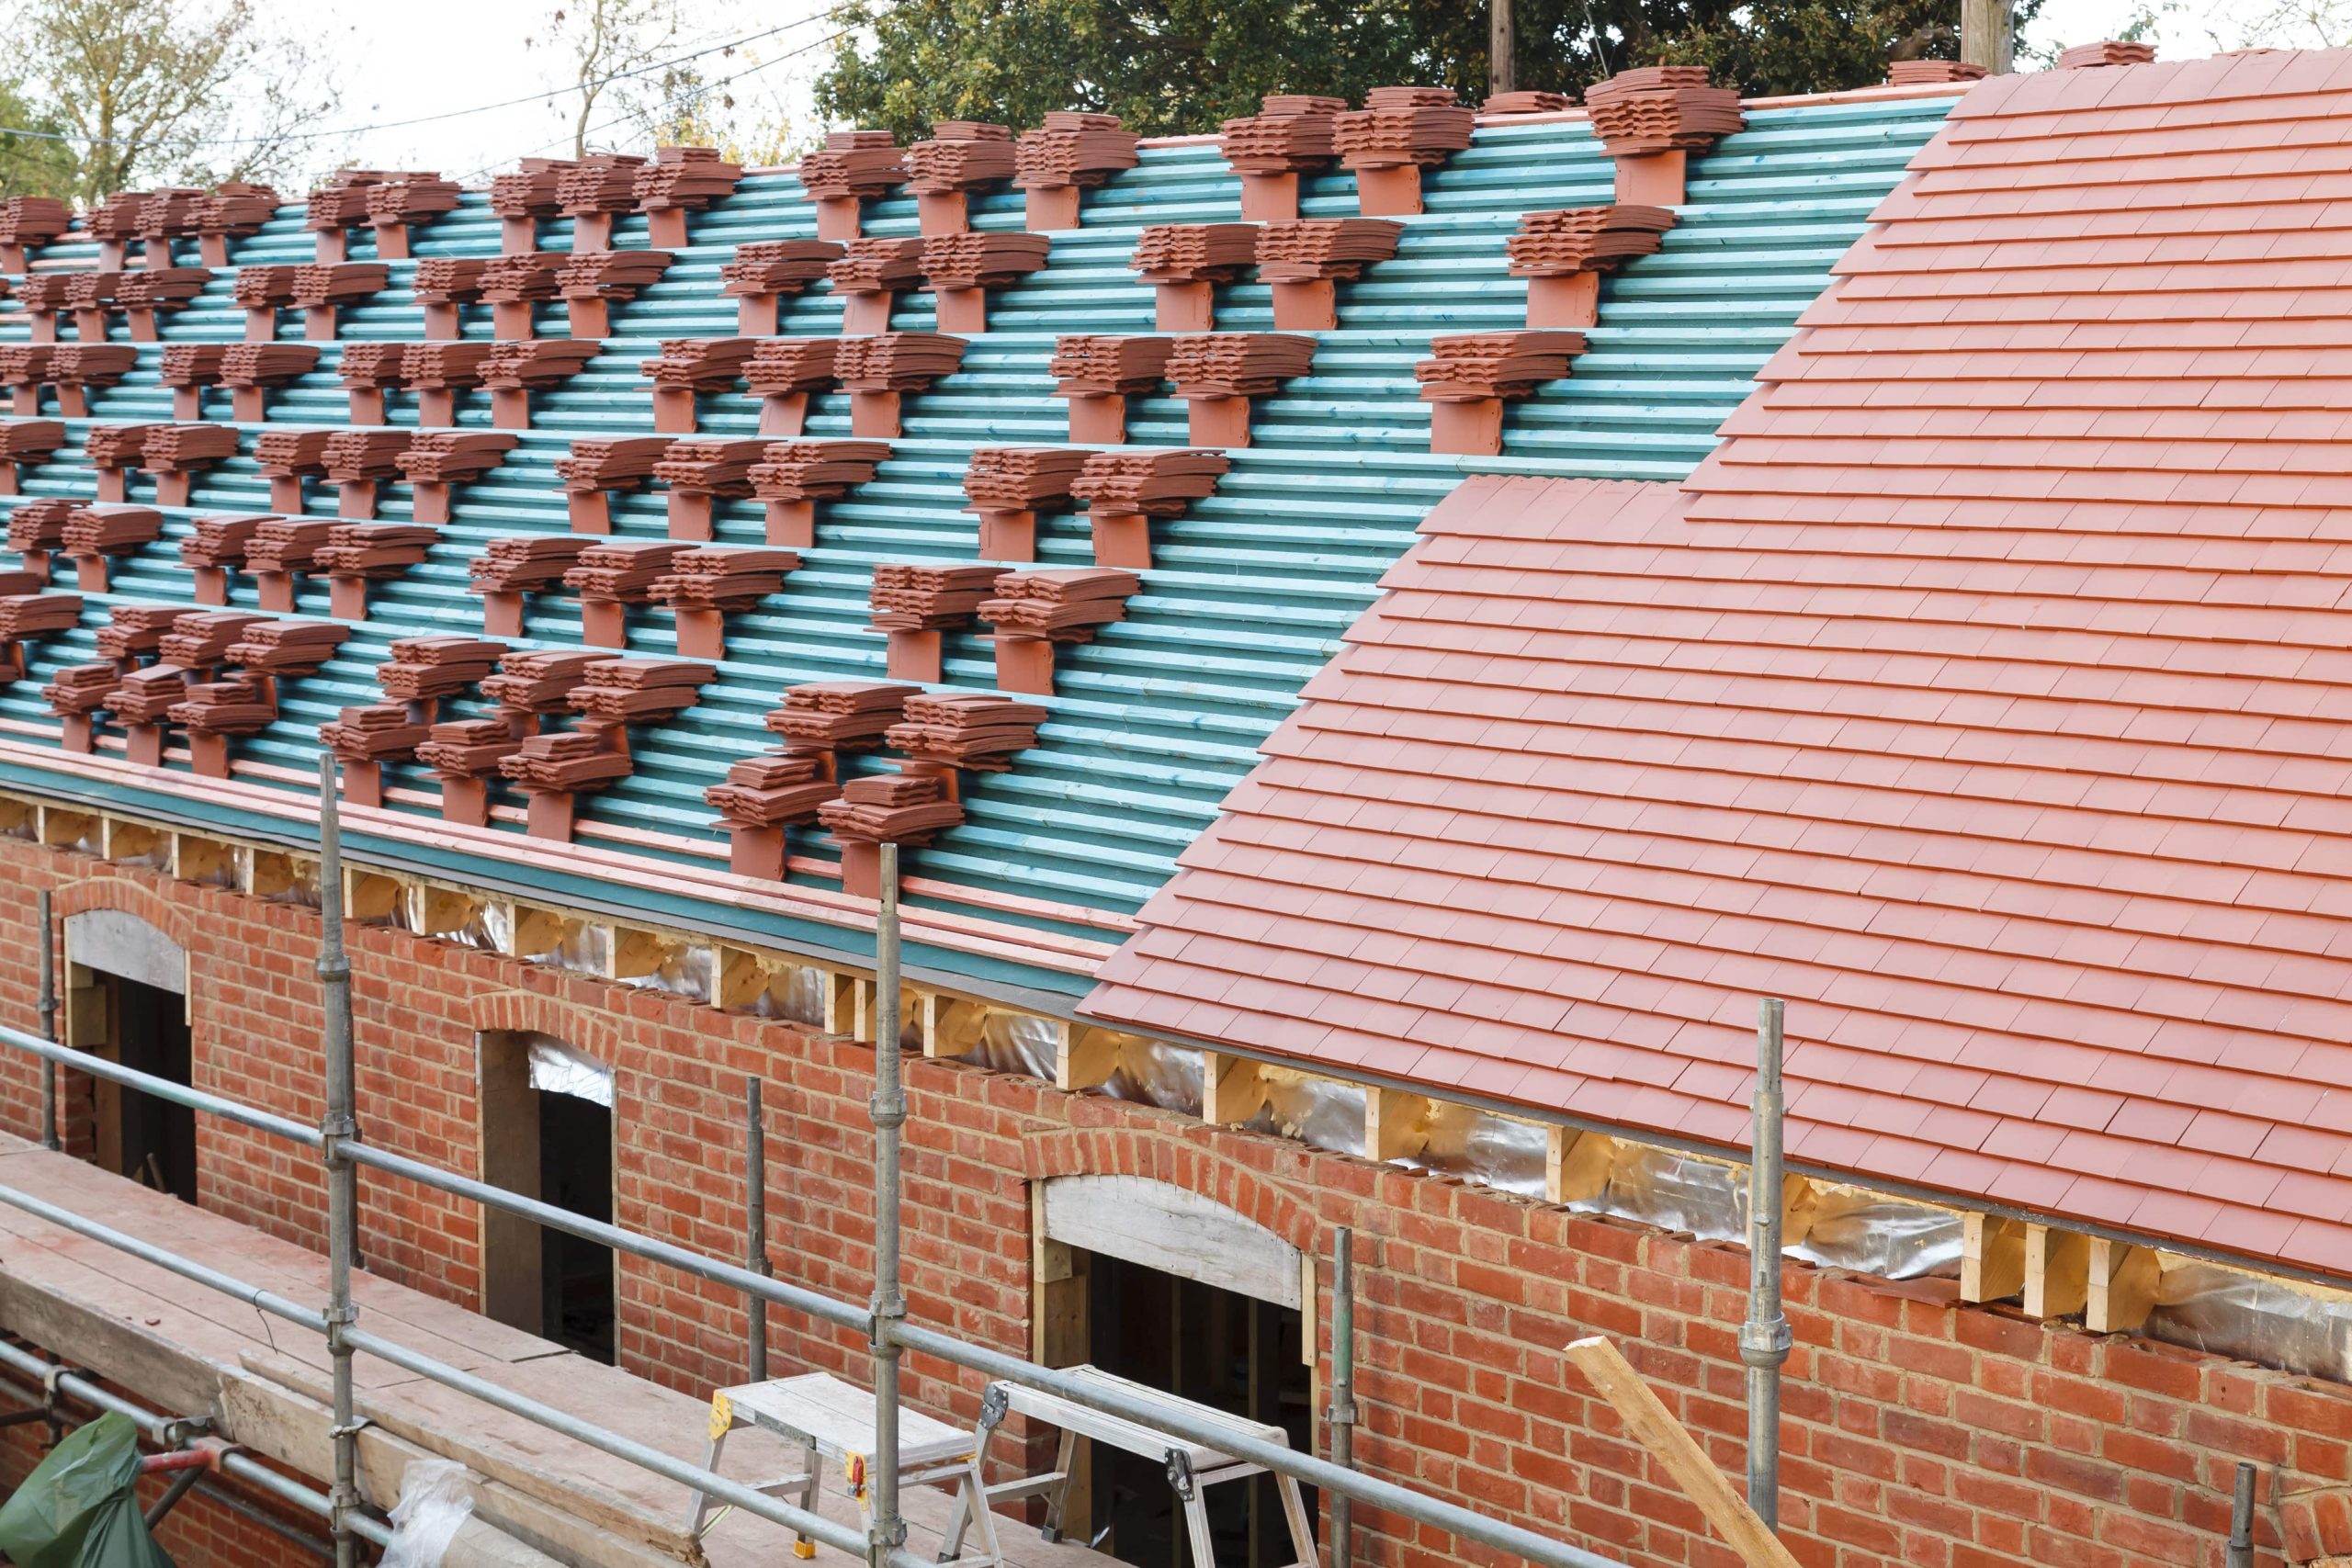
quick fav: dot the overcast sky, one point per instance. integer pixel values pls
(398, 64)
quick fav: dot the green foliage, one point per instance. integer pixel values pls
(33, 165)
(1178, 66)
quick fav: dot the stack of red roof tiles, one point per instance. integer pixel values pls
(1184, 261)
(1097, 374)
(1398, 134)
(1008, 486)
(762, 272)
(962, 156)
(682, 180)
(1302, 262)
(1290, 135)
(1069, 153)
(791, 476)
(850, 167)
(961, 268)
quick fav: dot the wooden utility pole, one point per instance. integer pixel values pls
(1987, 33)
(1502, 44)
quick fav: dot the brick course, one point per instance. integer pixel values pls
(1920, 1433)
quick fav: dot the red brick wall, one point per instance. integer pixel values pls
(1919, 1434)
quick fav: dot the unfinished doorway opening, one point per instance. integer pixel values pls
(547, 1132)
(126, 1000)
(1158, 1284)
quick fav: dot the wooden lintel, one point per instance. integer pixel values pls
(1992, 1257)
(1679, 1454)
(846, 1003)
(1576, 1165)
(1232, 1088)
(2120, 1287)
(1084, 1057)
(2057, 1271)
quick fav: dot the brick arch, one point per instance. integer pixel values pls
(132, 898)
(531, 1012)
(1113, 1151)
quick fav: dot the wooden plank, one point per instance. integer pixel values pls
(2057, 1271)
(2119, 1285)
(61, 829)
(1174, 1230)
(199, 858)
(952, 1025)
(1992, 1257)
(1647, 1418)
(1394, 1123)
(741, 979)
(1577, 1165)
(1084, 1058)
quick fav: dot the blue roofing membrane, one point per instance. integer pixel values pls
(1251, 590)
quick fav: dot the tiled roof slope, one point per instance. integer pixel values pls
(1986, 695)
(1156, 719)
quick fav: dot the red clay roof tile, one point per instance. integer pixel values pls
(1983, 694)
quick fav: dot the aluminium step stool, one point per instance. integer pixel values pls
(1191, 1467)
(834, 1420)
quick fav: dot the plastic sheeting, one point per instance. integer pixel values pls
(433, 1506)
(794, 992)
(1017, 1043)
(560, 1068)
(2246, 1317)
(1322, 1113)
(1872, 1234)
(1458, 1140)
(1150, 1073)
(683, 969)
(79, 1509)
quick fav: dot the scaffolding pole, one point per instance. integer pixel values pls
(1344, 1388)
(1764, 1338)
(48, 1005)
(888, 1532)
(755, 1231)
(338, 1129)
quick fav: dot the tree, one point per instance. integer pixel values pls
(35, 159)
(1174, 66)
(175, 90)
(610, 48)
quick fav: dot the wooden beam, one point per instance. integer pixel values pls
(740, 977)
(199, 858)
(1647, 1418)
(2120, 1285)
(638, 953)
(17, 816)
(537, 930)
(1232, 1088)
(844, 1004)
(442, 910)
(952, 1025)
(1576, 1165)
(1084, 1058)
(121, 840)
(1395, 1124)
(2057, 1271)
(1992, 1257)
(368, 896)
(62, 829)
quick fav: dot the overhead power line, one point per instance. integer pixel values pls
(563, 91)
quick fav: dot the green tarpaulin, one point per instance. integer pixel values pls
(79, 1509)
